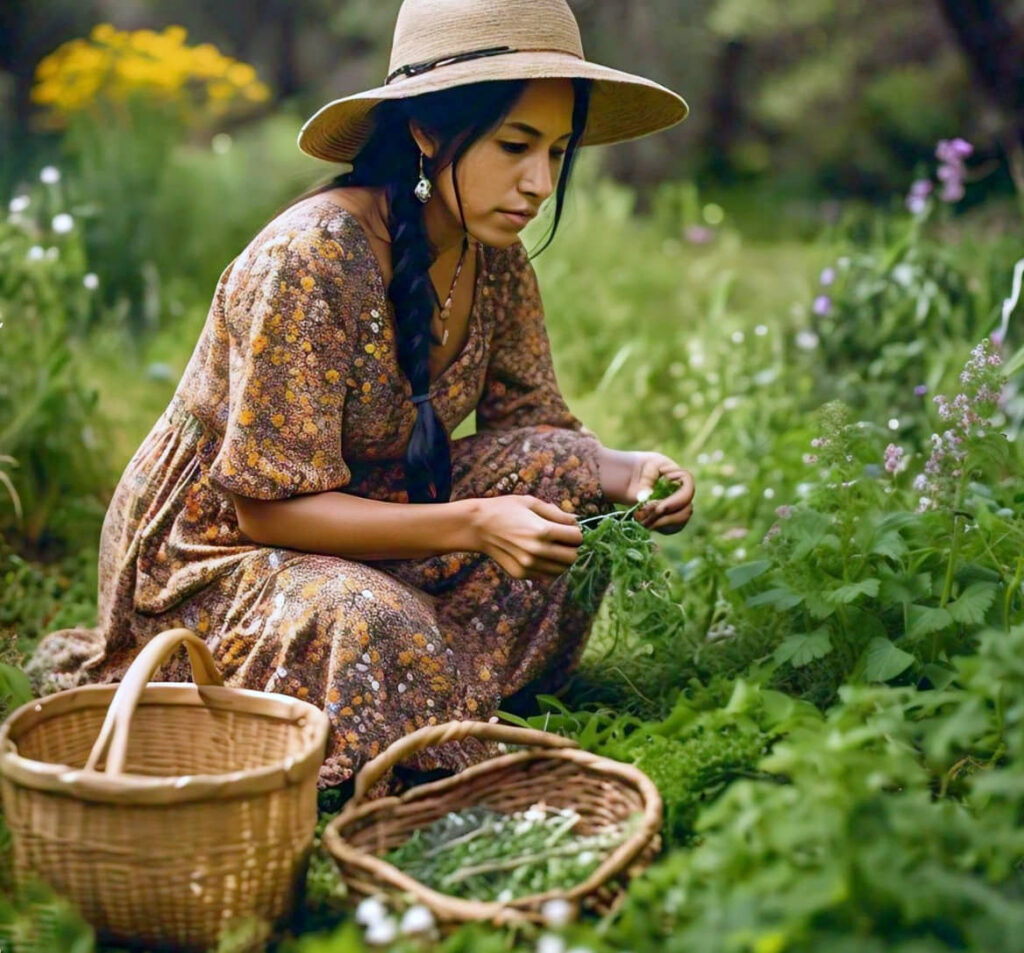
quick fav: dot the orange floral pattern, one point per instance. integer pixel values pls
(294, 387)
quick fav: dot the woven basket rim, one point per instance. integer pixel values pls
(393, 878)
(141, 789)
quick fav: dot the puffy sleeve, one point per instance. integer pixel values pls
(520, 389)
(287, 323)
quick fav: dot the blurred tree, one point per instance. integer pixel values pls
(28, 31)
(990, 34)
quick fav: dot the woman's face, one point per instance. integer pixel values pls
(510, 170)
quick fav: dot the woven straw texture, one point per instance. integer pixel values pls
(203, 812)
(547, 767)
(546, 40)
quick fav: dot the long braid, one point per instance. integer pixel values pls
(428, 455)
(457, 118)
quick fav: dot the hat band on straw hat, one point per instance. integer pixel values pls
(414, 69)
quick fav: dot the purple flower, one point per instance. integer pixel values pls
(997, 337)
(920, 390)
(953, 151)
(893, 458)
(698, 234)
(828, 276)
(822, 305)
(921, 188)
(952, 191)
(916, 204)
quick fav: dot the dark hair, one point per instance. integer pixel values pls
(455, 119)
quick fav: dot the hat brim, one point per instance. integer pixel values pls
(622, 106)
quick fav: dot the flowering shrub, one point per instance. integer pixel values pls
(114, 66)
(51, 436)
(123, 101)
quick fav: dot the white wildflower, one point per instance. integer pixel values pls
(761, 330)
(417, 919)
(643, 495)
(382, 932)
(370, 910)
(18, 204)
(806, 340)
(49, 175)
(736, 337)
(549, 943)
(91, 281)
(63, 223)
(36, 253)
(894, 423)
(556, 912)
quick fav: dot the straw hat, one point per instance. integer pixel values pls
(439, 44)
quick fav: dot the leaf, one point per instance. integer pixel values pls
(15, 686)
(848, 593)
(740, 575)
(780, 598)
(889, 544)
(801, 649)
(806, 528)
(882, 660)
(923, 620)
(973, 603)
(941, 676)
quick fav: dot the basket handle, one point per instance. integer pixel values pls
(431, 735)
(113, 736)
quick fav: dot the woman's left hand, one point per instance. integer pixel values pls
(671, 514)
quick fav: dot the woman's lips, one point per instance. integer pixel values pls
(516, 218)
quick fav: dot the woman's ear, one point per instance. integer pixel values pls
(425, 142)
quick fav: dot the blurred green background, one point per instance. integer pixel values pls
(772, 293)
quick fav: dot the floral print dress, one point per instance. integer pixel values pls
(294, 387)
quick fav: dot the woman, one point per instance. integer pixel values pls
(300, 503)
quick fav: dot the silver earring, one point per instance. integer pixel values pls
(423, 188)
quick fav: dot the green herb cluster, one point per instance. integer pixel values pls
(483, 854)
(619, 550)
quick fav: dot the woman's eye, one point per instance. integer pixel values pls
(514, 147)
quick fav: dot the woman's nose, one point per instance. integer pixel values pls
(538, 181)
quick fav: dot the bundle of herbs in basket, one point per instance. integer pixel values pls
(498, 840)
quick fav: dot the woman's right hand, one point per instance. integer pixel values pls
(528, 537)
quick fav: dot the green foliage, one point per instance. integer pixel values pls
(50, 431)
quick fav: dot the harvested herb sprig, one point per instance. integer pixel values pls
(618, 548)
(483, 854)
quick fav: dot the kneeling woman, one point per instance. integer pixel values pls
(300, 503)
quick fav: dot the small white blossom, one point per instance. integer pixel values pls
(643, 495)
(556, 912)
(549, 943)
(49, 175)
(382, 932)
(370, 910)
(740, 553)
(36, 253)
(63, 223)
(894, 423)
(769, 493)
(736, 337)
(417, 919)
(806, 340)
(761, 330)
(91, 281)
(18, 204)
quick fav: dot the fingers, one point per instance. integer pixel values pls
(554, 513)
(671, 522)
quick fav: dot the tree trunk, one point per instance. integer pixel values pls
(995, 50)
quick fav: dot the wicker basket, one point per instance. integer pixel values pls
(549, 768)
(204, 812)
